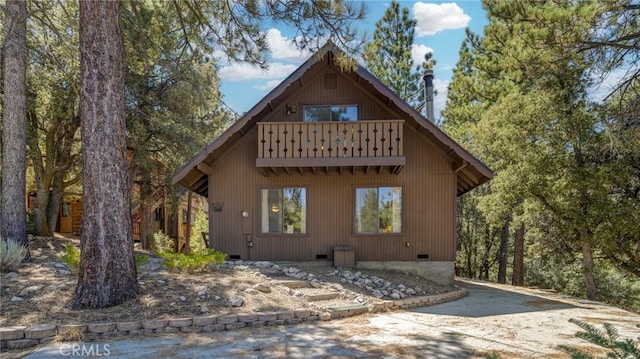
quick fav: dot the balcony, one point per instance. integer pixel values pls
(330, 147)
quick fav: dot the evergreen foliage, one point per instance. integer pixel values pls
(565, 165)
(388, 56)
(607, 338)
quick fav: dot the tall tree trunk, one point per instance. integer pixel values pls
(13, 214)
(588, 269)
(107, 274)
(187, 239)
(53, 207)
(518, 257)
(40, 210)
(146, 194)
(504, 251)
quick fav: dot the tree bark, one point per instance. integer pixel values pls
(504, 251)
(588, 269)
(40, 221)
(518, 257)
(107, 274)
(53, 207)
(187, 248)
(146, 192)
(13, 212)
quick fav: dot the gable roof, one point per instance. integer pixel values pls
(470, 171)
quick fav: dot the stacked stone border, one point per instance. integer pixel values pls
(21, 337)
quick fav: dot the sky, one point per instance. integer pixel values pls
(440, 29)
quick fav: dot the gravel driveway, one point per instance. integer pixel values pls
(507, 321)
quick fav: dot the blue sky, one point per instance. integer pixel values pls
(440, 29)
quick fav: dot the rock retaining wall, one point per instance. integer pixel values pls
(21, 337)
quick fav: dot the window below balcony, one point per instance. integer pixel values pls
(378, 210)
(283, 210)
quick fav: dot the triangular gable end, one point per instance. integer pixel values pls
(470, 171)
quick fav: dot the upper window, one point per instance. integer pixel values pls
(326, 113)
(284, 210)
(379, 210)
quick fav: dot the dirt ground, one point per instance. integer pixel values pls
(40, 292)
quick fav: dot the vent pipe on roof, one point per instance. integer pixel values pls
(428, 94)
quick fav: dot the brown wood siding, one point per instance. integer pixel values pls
(65, 223)
(428, 182)
(312, 92)
(76, 215)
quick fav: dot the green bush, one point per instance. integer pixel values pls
(164, 243)
(141, 259)
(192, 262)
(201, 224)
(11, 254)
(71, 256)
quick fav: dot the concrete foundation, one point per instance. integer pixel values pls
(439, 272)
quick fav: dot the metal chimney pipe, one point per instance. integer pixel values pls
(428, 94)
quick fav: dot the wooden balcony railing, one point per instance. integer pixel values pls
(361, 139)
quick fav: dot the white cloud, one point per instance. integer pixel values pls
(268, 85)
(440, 100)
(418, 52)
(283, 48)
(433, 18)
(243, 71)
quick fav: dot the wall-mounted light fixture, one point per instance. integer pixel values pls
(290, 109)
(245, 214)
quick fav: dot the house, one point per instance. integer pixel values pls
(70, 215)
(176, 220)
(331, 165)
(173, 222)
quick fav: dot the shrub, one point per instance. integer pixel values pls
(141, 259)
(192, 262)
(164, 243)
(71, 256)
(11, 254)
(201, 224)
(607, 338)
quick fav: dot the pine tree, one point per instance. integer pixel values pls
(388, 56)
(13, 216)
(519, 100)
(107, 274)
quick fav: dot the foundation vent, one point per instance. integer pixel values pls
(423, 256)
